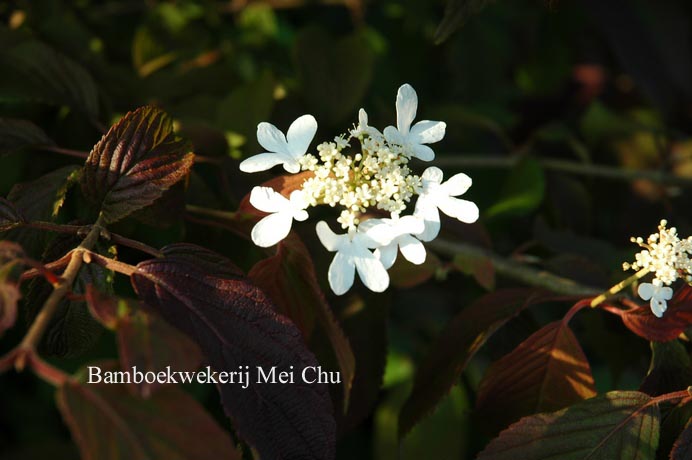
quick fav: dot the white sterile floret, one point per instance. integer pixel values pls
(413, 138)
(275, 227)
(664, 254)
(363, 129)
(352, 254)
(435, 194)
(658, 294)
(401, 230)
(282, 150)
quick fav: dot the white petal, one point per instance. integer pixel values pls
(271, 138)
(300, 134)
(291, 166)
(646, 291)
(410, 224)
(406, 106)
(665, 293)
(362, 118)
(393, 136)
(330, 240)
(422, 152)
(457, 185)
(387, 254)
(268, 200)
(431, 217)
(412, 249)
(371, 271)
(427, 132)
(262, 162)
(341, 273)
(377, 233)
(658, 307)
(433, 174)
(463, 210)
(271, 229)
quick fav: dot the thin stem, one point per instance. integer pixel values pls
(47, 372)
(225, 215)
(516, 270)
(51, 227)
(570, 167)
(619, 287)
(68, 152)
(134, 244)
(40, 324)
(108, 263)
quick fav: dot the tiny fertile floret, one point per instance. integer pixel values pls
(362, 172)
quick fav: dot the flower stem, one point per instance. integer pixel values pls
(618, 287)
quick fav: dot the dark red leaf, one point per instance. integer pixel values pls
(546, 372)
(675, 320)
(289, 280)
(460, 340)
(670, 369)
(682, 449)
(235, 325)
(107, 422)
(618, 425)
(135, 163)
(144, 339)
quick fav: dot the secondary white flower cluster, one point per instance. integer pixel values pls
(376, 176)
(669, 258)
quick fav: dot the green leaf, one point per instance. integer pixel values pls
(546, 372)
(456, 345)
(456, 14)
(148, 55)
(135, 163)
(334, 75)
(108, 422)
(620, 425)
(523, 192)
(54, 77)
(144, 340)
(16, 135)
(289, 280)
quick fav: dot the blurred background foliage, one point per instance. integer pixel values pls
(605, 86)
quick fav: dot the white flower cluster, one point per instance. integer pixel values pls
(377, 176)
(669, 258)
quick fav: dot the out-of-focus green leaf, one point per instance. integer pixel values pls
(108, 422)
(16, 135)
(523, 191)
(54, 77)
(333, 74)
(619, 425)
(148, 55)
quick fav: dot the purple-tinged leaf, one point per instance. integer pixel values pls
(135, 163)
(682, 449)
(619, 425)
(289, 280)
(107, 422)
(144, 340)
(676, 320)
(235, 326)
(546, 372)
(457, 344)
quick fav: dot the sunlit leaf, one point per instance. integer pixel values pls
(675, 321)
(106, 421)
(452, 350)
(235, 325)
(135, 163)
(618, 425)
(546, 372)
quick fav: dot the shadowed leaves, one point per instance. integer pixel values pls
(682, 449)
(16, 135)
(106, 421)
(670, 370)
(675, 321)
(144, 339)
(618, 425)
(289, 280)
(457, 13)
(546, 372)
(235, 325)
(457, 344)
(135, 163)
(10, 217)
